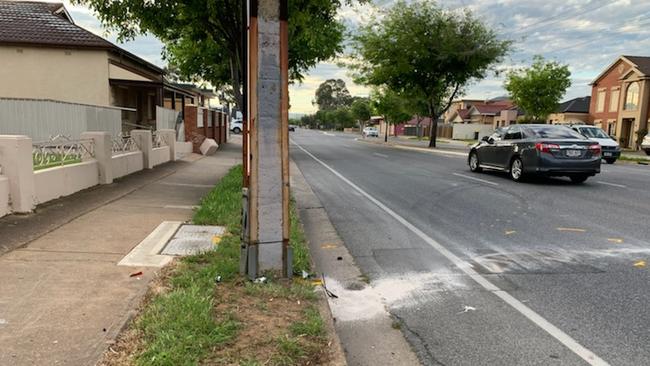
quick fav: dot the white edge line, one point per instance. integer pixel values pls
(611, 184)
(380, 155)
(537, 319)
(476, 179)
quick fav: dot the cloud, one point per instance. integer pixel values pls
(585, 34)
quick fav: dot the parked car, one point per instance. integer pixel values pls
(236, 125)
(611, 151)
(547, 150)
(370, 132)
(292, 128)
(645, 144)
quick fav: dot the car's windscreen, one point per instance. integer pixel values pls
(553, 132)
(593, 132)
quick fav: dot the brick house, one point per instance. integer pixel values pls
(619, 98)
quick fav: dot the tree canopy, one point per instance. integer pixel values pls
(332, 94)
(361, 110)
(203, 38)
(426, 52)
(539, 88)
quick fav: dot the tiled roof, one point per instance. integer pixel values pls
(463, 113)
(577, 105)
(641, 62)
(25, 22)
(490, 108)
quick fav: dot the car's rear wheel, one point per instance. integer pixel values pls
(610, 160)
(578, 178)
(517, 169)
(474, 164)
(647, 151)
(236, 130)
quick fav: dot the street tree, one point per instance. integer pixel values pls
(391, 106)
(426, 51)
(332, 94)
(202, 39)
(361, 111)
(539, 88)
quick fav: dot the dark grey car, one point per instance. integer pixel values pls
(548, 150)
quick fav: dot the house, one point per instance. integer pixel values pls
(620, 96)
(459, 116)
(572, 111)
(45, 55)
(198, 96)
(486, 113)
(508, 116)
(457, 105)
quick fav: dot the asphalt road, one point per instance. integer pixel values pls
(499, 273)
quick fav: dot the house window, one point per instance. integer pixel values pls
(613, 101)
(632, 97)
(600, 102)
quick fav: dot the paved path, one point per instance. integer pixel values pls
(62, 296)
(481, 270)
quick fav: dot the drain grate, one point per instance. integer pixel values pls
(193, 239)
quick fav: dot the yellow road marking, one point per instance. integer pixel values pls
(510, 232)
(572, 229)
(615, 240)
(329, 246)
(216, 239)
(639, 264)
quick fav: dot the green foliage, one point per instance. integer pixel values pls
(640, 134)
(539, 88)
(423, 51)
(391, 105)
(332, 94)
(202, 38)
(361, 110)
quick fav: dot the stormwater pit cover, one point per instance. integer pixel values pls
(193, 239)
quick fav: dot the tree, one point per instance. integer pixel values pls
(361, 111)
(429, 53)
(203, 38)
(390, 105)
(332, 94)
(538, 89)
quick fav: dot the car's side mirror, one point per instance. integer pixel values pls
(486, 139)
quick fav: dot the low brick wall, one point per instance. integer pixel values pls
(127, 163)
(160, 155)
(4, 195)
(64, 180)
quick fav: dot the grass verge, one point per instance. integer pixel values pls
(202, 312)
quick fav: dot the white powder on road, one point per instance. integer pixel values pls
(389, 292)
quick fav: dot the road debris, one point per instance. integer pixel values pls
(328, 292)
(260, 280)
(217, 279)
(639, 264)
(136, 274)
(467, 309)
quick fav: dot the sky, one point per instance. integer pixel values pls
(588, 35)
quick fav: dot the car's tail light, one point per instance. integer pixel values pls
(595, 149)
(544, 147)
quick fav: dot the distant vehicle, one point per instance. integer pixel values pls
(645, 144)
(236, 125)
(370, 132)
(611, 151)
(292, 128)
(545, 150)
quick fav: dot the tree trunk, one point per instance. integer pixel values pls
(386, 129)
(434, 131)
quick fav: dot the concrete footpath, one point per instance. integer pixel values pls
(63, 299)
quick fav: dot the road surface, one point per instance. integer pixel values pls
(499, 273)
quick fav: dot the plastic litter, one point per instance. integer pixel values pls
(260, 280)
(135, 274)
(217, 279)
(328, 292)
(467, 309)
(305, 274)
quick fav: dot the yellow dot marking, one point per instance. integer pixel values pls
(510, 232)
(329, 246)
(317, 282)
(216, 240)
(615, 240)
(639, 264)
(572, 229)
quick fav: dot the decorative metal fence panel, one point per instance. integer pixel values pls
(42, 119)
(61, 150)
(123, 144)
